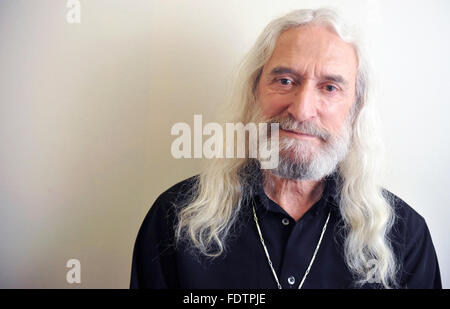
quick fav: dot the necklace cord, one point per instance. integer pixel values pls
(255, 217)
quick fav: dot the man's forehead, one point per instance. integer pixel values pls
(313, 47)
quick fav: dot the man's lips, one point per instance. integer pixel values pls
(299, 133)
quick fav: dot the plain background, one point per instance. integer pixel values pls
(86, 111)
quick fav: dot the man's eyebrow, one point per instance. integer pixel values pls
(335, 78)
(284, 70)
(330, 77)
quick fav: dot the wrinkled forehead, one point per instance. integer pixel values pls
(314, 49)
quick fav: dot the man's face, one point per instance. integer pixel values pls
(308, 85)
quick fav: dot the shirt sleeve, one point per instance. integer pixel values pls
(420, 263)
(153, 257)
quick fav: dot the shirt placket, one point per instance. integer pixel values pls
(293, 262)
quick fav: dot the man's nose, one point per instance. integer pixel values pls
(304, 103)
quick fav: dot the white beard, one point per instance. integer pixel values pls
(301, 160)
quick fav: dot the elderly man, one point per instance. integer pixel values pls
(320, 218)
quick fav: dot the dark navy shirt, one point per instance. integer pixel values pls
(157, 263)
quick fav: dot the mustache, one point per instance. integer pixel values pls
(305, 127)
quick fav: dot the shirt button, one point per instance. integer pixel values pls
(285, 221)
(291, 280)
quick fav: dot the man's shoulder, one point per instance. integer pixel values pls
(179, 191)
(408, 222)
(175, 196)
(162, 212)
(403, 211)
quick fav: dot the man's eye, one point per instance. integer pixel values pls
(330, 88)
(285, 81)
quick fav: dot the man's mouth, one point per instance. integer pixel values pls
(300, 134)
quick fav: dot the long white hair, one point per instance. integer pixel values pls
(206, 218)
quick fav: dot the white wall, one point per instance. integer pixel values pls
(86, 111)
